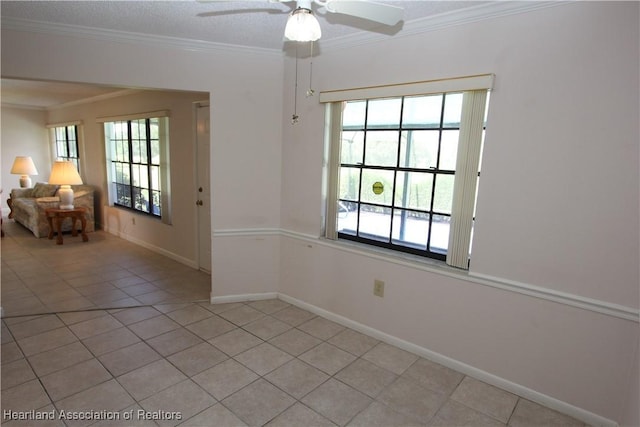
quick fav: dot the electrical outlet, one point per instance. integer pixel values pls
(378, 288)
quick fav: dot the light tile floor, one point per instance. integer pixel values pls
(39, 276)
(255, 363)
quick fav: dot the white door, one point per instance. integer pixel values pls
(203, 187)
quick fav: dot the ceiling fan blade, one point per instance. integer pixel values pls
(377, 12)
(245, 1)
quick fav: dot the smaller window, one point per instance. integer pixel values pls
(66, 144)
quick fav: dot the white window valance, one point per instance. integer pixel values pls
(60, 125)
(456, 84)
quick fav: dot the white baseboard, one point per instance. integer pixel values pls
(243, 298)
(522, 391)
(156, 249)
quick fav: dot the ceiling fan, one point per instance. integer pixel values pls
(303, 26)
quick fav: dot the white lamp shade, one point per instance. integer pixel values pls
(302, 26)
(64, 173)
(23, 165)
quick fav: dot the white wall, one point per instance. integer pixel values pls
(23, 134)
(557, 211)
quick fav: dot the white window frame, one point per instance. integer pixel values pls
(165, 177)
(475, 89)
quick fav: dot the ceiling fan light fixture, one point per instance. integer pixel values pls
(302, 26)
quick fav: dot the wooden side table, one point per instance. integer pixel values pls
(76, 214)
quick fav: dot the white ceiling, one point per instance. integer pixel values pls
(255, 24)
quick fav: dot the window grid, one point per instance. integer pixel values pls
(66, 141)
(135, 160)
(400, 211)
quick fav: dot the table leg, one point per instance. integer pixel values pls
(59, 227)
(83, 221)
(50, 220)
(74, 230)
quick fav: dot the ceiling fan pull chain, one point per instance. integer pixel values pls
(310, 91)
(294, 117)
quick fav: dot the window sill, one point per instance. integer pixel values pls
(396, 257)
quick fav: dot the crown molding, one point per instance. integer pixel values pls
(480, 12)
(23, 107)
(102, 34)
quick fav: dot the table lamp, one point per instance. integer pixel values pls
(23, 165)
(65, 174)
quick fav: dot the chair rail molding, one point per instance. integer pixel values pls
(573, 300)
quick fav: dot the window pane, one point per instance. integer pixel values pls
(422, 146)
(71, 132)
(353, 114)
(117, 168)
(381, 148)
(422, 112)
(413, 190)
(155, 178)
(156, 207)
(375, 222)
(443, 196)
(144, 176)
(135, 151)
(142, 199)
(347, 217)
(154, 127)
(135, 179)
(136, 198)
(449, 149)
(377, 186)
(61, 148)
(349, 183)
(452, 110)
(144, 155)
(139, 129)
(384, 113)
(352, 148)
(73, 149)
(440, 233)
(123, 195)
(410, 228)
(155, 152)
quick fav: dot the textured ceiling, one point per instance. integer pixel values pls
(247, 23)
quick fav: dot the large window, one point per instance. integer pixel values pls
(402, 174)
(135, 150)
